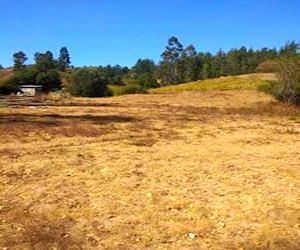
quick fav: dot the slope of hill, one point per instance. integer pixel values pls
(245, 82)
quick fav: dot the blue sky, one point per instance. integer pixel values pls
(101, 32)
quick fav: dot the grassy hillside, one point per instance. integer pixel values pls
(245, 82)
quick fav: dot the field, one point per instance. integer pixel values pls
(185, 170)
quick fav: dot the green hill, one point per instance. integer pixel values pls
(244, 82)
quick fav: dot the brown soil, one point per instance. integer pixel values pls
(192, 170)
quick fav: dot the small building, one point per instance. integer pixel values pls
(30, 90)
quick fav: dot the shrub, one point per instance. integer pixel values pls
(287, 87)
(147, 80)
(266, 87)
(115, 90)
(132, 89)
(49, 79)
(25, 76)
(8, 86)
(269, 66)
(88, 82)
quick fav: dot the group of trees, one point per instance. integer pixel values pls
(46, 71)
(178, 64)
(88, 82)
(94, 81)
(183, 64)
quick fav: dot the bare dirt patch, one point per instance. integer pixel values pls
(190, 170)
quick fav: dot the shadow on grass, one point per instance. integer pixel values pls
(267, 109)
(34, 102)
(55, 119)
(271, 109)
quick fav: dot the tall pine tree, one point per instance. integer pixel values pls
(63, 59)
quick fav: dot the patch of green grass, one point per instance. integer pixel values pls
(223, 83)
(116, 89)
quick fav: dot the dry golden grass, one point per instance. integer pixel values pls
(191, 170)
(240, 82)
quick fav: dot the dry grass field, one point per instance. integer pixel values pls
(185, 170)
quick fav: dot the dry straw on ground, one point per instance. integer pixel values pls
(190, 170)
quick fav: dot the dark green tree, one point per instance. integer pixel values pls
(63, 62)
(44, 61)
(147, 80)
(173, 50)
(142, 74)
(290, 49)
(169, 73)
(8, 86)
(19, 60)
(88, 82)
(265, 54)
(251, 60)
(189, 65)
(143, 66)
(206, 69)
(114, 74)
(49, 79)
(237, 61)
(48, 74)
(27, 76)
(22, 77)
(219, 64)
(164, 74)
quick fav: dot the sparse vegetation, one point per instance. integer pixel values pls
(193, 170)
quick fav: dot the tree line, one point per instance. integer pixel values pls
(183, 64)
(178, 64)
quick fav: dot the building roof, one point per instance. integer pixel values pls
(30, 86)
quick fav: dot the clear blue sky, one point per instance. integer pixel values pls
(101, 32)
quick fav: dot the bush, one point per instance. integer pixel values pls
(8, 86)
(132, 89)
(269, 66)
(266, 87)
(287, 87)
(147, 80)
(24, 76)
(49, 79)
(115, 90)
(88, 82)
